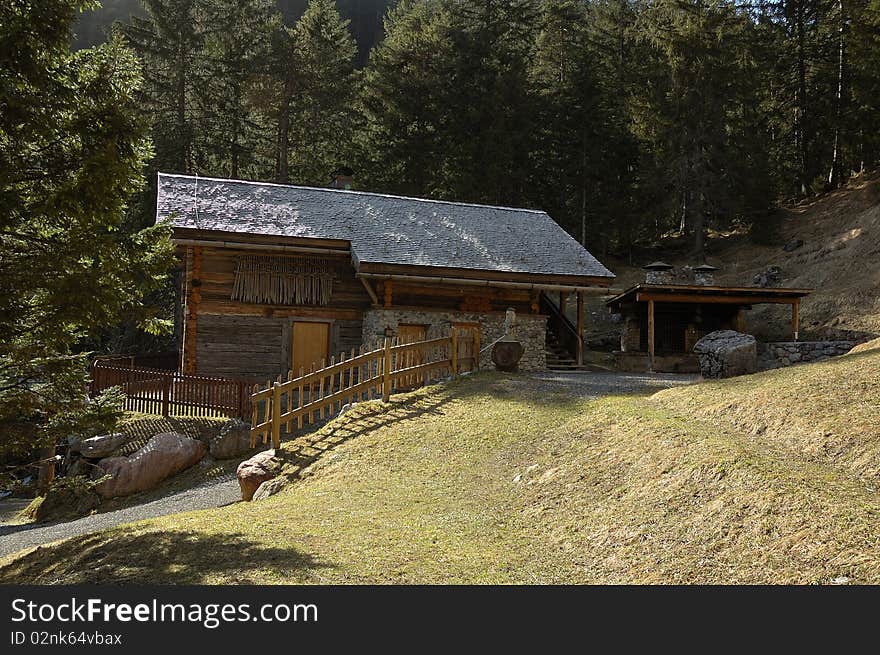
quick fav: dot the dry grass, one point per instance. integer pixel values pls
(827, 413)
(500, 479)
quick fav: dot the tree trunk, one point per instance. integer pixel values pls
(834, 173)
(584, 190)
(183, 161)
(284, 135)
(236, 109)
(800, 129)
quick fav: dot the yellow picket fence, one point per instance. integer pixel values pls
(391, 366)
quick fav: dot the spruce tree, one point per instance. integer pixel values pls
(72, 147)
(237, 46)
(168, 43)
(320, 86)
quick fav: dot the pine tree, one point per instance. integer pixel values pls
(237, 45)
(320, 86)
(400, 146)
(579, 148)
(703, 125)
(169, 42)
(72, 146)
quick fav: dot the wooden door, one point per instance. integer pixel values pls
(469, 340)
(408, 333)
(310, 343)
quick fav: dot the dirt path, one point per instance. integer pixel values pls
(224, 491)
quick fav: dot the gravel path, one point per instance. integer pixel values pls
(594, 385)
(224, 491)
(213, 494)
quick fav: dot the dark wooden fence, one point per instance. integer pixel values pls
(168, 393)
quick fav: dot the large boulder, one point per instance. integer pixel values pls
(726, 353)
(163, 455)
(255, 471)
(269, 488)
(233, 441)
(103, 445)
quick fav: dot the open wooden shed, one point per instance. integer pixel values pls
(663, 320)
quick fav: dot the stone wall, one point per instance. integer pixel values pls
(531, 330)
(786, 353)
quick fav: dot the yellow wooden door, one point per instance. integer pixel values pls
(310, 344)
(411, 333)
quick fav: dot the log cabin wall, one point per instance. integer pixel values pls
(229, 338)
(250, 340)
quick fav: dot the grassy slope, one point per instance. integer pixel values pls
(498, 479)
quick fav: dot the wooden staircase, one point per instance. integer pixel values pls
(561, 339)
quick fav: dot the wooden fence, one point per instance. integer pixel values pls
(391, 366)
(168, 393)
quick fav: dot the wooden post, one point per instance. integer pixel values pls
(166, 395)
(563, 301)
(454, 354)
(47, 470)
(795, 318)
(276, 416)
(580, 328)
(386, 372)
(651, 334)
(194, 297)
(476, 349)
(740, 320)
(388, 291)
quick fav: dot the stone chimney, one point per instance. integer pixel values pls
(658, 273)
(343, 178)
(704, 275)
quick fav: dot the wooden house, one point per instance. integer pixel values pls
(664, 317)
(278, 277)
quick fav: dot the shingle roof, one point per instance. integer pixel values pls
(382, 229)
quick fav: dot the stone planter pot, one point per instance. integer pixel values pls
(506, 355)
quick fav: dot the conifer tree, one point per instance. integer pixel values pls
(320, 86)
(237, 46)
(72, 147)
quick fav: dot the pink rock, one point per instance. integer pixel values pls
(255, 471)
(163, 455)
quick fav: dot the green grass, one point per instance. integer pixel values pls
(504, 479)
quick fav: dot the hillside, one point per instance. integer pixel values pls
(506, 479)
(840, 259)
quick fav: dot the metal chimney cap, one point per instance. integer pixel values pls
(659, 266)
(705, 268)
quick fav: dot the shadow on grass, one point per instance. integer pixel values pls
(302, 449)
(157, 558)
(141, 427)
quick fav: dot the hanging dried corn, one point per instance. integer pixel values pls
(283, 280)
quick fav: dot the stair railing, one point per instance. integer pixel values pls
(566, 333)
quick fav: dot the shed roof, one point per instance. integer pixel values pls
(382, 229)
(706, 294)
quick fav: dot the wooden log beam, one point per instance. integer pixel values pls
(651, 333)
(711, 300)
(795, 319)
(369, 288)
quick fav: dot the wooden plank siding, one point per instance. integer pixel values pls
(236, 339)
(228, 338)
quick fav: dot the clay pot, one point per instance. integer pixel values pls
(506, 355)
